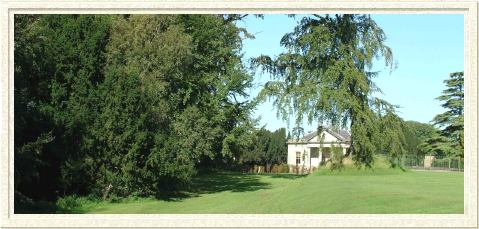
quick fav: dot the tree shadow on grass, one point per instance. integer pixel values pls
(218, 182)
(202, 184)
(233, 182)
(41, 207)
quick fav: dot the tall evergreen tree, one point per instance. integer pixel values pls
(451, 122)
(326, 75)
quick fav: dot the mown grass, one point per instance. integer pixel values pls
(377, 190)
(348, 191)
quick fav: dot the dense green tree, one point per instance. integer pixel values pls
(326, 75)
(58, 62)
(186, 75)
(218, 42)
(258, 150)
(266, 148)
(31, 132)
(77, 44)
(277, 148)
(451, 122)
(132, 104)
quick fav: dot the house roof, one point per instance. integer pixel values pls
(342, 135)
(345, 134)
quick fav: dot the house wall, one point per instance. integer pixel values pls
(305, 148)
(292, 149)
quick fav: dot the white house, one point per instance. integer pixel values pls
(309, 150)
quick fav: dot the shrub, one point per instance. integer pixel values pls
(69, 203)
(114, 199)
(336, 158)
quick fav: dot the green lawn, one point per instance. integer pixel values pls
(350, 191)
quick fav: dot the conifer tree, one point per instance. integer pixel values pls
(326, 75)
(451, 122)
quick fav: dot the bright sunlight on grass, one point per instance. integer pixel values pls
(348, 191)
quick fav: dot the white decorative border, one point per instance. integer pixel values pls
(469, 219)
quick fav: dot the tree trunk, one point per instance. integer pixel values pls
(268, 167)
(350, 150)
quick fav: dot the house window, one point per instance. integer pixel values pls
(314, 152)
(298, 158)
(326, 153)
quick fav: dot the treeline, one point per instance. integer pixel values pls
(129, 104)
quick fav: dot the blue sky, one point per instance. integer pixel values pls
(427, 47)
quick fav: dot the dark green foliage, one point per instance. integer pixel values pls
(58, 64)
(277, 148)
(326, 75)
(130, 104)
(267, 148)
(256, 154)
(437, 145)
(29, 146)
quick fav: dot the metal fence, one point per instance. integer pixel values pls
(451, 163)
